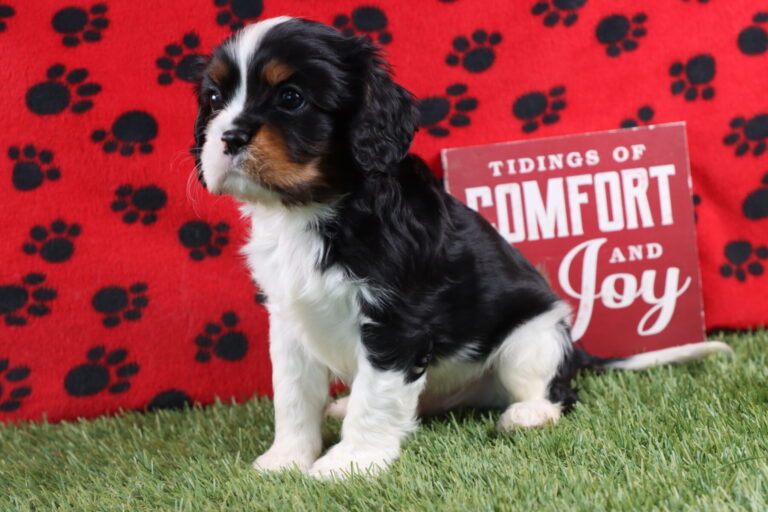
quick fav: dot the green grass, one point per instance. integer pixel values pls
(691, 437)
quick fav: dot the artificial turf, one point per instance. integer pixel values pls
(691, 437)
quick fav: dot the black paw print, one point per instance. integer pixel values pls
(753, 40)
(368, 21)
(113, 301)
(198, 236)
(169, 399)
(644, 114)
(237, 12)
(143, 202)
(14, 297)
(618, 33)
(102, 371)
(454, 106)
(755, 206)
(76, 22)
(477, 56)
(55, 95)
(699, 71)
(559, 10)
(738, 253)
(747, 133)
(536, 107)
(131, 131)
(56, 245)
(31, 167)
(225, 342)
(12, 390)
(6, 11)
(179, 61)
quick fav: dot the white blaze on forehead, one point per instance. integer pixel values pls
(243, 47)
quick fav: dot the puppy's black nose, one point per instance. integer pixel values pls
(235, 139)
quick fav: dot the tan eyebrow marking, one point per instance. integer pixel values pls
(219, 70)
(276, 71)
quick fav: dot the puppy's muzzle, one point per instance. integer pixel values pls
(235, 140)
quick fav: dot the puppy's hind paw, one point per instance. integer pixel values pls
(338, 408)
(528, 414)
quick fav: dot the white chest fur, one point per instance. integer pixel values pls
(282, 254)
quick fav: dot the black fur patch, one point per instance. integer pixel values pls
(561, 389)
(449, 278)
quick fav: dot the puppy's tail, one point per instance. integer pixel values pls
(681, 354)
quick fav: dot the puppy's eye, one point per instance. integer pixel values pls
(290, 99)
(215, 100)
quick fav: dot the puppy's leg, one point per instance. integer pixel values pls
(300, 384)
(381, 411)
(527, 362)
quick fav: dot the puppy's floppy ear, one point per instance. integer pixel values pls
(199, 66)
(383, 128)
(197, 71)
(200, 125)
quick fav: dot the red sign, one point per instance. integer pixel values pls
(608, 218)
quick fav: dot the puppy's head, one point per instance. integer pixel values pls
(291, 111)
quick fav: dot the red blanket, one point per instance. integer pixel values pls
(121, 285)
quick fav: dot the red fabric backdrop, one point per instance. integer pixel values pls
(120, 281)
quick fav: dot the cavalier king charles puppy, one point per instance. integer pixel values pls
(374, 274)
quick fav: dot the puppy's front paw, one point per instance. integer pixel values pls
(343, 461)
(279, 458)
